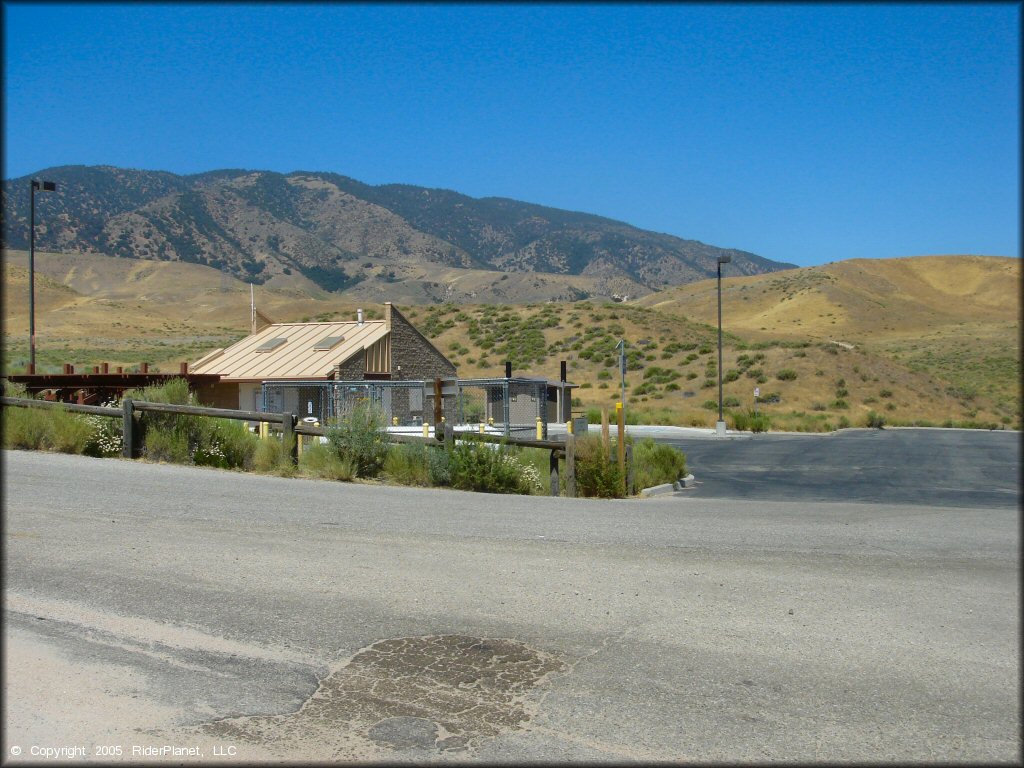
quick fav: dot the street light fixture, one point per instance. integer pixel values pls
(720, 426)
(37, 186)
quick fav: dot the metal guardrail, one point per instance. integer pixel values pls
(131, 410)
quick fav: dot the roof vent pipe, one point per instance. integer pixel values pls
(359, 316)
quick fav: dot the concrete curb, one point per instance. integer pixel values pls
(660, 490)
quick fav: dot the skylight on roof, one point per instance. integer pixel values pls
(328, 342)
(271, 344)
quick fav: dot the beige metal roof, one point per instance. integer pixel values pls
(295, 358)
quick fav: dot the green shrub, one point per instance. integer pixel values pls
(105, 437)
(70, 432)
(166, 436)
(29, 428)
(439, 467)
(874, 420)
(205, 441)
(476, 466)
(844, 423)
(319, 460)
(657, 463)
(748, 420)
(406, 463)
(361, 437)
(223, 443)
(596, 475)
(786, 374)
(166, 444)
(271, 456)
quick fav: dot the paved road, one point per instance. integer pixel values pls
(940, 467)
(267, 618)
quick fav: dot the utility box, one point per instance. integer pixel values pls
(579, 425)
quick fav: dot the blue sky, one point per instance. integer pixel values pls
(802, 133)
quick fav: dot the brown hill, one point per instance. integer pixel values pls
(925, 340)
(860, 298)
(260, 226)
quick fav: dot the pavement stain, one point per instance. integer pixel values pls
(438, 693)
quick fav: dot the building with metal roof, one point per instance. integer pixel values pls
(358, 349)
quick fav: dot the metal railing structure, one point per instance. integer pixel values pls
(512, 406)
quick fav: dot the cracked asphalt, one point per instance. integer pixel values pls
(258, 619)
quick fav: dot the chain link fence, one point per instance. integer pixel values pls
(510, 406)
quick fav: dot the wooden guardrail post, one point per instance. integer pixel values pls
(553, 464)
(288, 440)
(130, 430)
(570, 466)
(449, 436)
(630, 474)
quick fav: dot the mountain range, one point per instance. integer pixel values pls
(396, 241)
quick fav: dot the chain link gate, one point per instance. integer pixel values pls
(511, 405)
(403, 403)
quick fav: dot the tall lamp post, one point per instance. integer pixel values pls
(37, 186)
(720, 426)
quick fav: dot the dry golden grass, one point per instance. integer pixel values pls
(955, 319)
(929, 339)
(858, 299)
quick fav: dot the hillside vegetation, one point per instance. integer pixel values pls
(892, 337)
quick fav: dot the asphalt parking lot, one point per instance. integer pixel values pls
(264, 619)
(936, 467)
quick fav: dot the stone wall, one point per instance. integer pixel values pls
(412, 355)
(353, 369)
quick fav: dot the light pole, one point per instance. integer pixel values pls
(720, 426)
(41, 186)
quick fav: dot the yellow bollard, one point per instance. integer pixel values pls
(481, 427)
(568, 425)
(426, 429)
(490, 421)
(394, 421)
(540, 429)
(264, 430)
